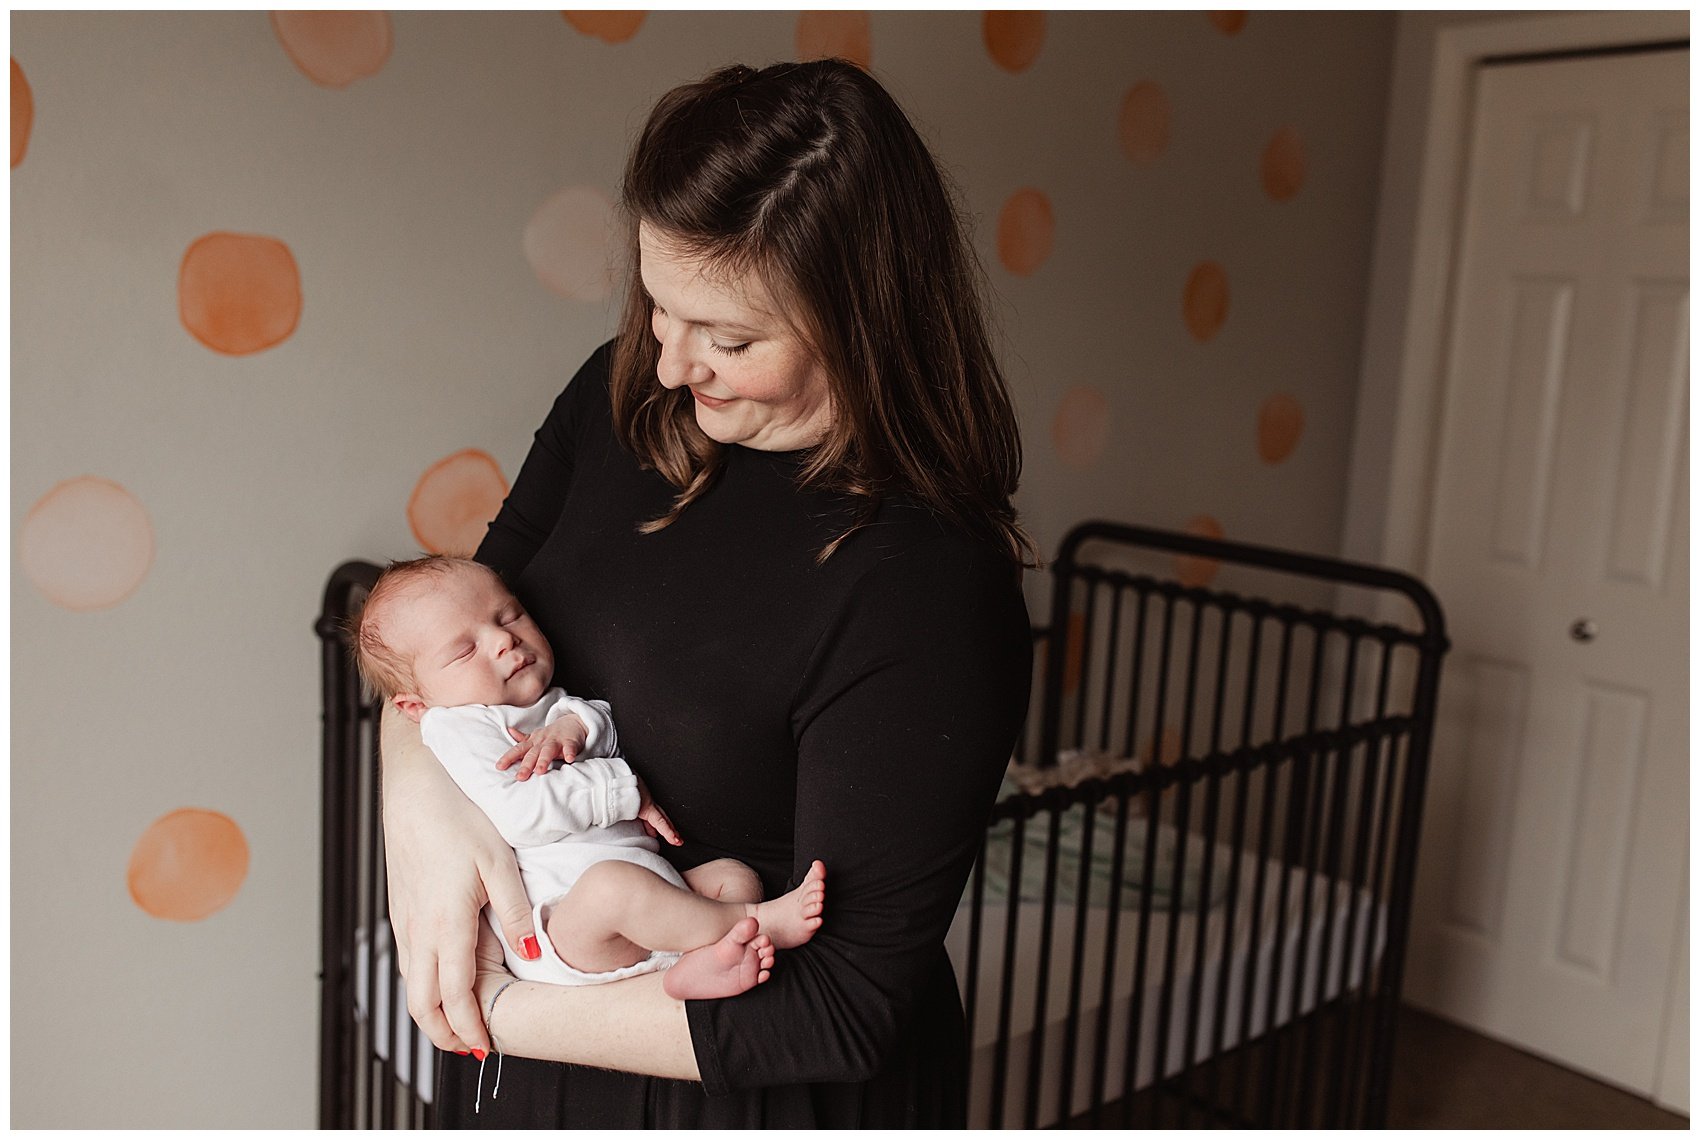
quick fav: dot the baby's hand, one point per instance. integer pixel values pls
(562, 740)
(655, 820)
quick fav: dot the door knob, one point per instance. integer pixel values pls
(1583, 630)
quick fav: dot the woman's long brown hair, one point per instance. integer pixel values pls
(810, 176)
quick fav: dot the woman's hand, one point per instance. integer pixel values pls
(445, 861)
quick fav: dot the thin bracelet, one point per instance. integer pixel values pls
(490, 1011)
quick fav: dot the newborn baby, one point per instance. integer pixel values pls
(446, 643)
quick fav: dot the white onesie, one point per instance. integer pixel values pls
(558, 823)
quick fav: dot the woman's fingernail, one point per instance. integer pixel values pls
(479, 1053)
(528, 948)
(464, 1052)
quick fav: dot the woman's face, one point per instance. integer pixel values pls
(754, 380)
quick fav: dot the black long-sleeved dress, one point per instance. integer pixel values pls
(859, 712)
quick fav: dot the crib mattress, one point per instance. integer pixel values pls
(1331, 908)
(389, 1014)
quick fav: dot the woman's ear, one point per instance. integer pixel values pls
(410, 705)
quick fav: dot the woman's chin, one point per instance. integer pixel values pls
(716, 427)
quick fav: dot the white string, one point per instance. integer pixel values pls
(488, 1014)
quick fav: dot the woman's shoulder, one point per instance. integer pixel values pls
(587, 391)
(911, 544)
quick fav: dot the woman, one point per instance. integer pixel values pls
(771, 524)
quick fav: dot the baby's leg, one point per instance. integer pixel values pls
(618, 909)
(618, 912)
(725, 879)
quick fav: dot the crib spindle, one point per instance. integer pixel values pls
(1077, 950)
(1112, 927)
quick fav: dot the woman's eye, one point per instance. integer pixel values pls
(730, 349)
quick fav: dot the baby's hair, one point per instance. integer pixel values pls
(385, 671)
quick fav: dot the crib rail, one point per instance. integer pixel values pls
(370, 1053)
(1277, 751)
(1234, 980)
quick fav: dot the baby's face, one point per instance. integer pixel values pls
(470, 641)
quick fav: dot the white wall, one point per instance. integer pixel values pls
(423, 331)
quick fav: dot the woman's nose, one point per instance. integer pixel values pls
(676, 367)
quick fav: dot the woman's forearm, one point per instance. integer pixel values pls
(407, 764)
(631, 1025)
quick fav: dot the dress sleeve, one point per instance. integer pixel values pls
(910, 710)
(539, 491)
(569, 800)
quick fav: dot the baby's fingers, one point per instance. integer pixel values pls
(658, 824)
(512, 755)
(536, 762)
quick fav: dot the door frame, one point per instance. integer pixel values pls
(1410, 454)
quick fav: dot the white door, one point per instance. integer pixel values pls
(1551, 892)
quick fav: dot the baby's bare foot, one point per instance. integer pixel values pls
(792, 919)
(738, 962)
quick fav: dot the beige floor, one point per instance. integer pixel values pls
(1445, 1076)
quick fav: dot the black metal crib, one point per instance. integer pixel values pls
(1192, 903)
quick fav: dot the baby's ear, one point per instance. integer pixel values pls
(410, 705)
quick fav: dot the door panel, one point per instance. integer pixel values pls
(1548, 908)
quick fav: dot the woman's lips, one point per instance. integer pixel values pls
(708, 401)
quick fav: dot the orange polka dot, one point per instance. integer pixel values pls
(568, 243)
(1228, 23)
(1168, 755)
(1205, 303)
(87, 544)
(844, 35)
(1081, 427)
(334, 49)
(1026, 231)
(1144, 124)
(1013, 39)
(188, 864)
(454, 501)
(1283, 165)
(1075, 659)
(23, 113)
(1191, 570)
(609, 27)
(1280, 423)
(239, 293)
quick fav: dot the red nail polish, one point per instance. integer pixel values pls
(464, 1052)
(528, 948)
(479, 1053)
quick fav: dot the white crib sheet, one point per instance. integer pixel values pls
(1331, 902)
(406, 1058)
